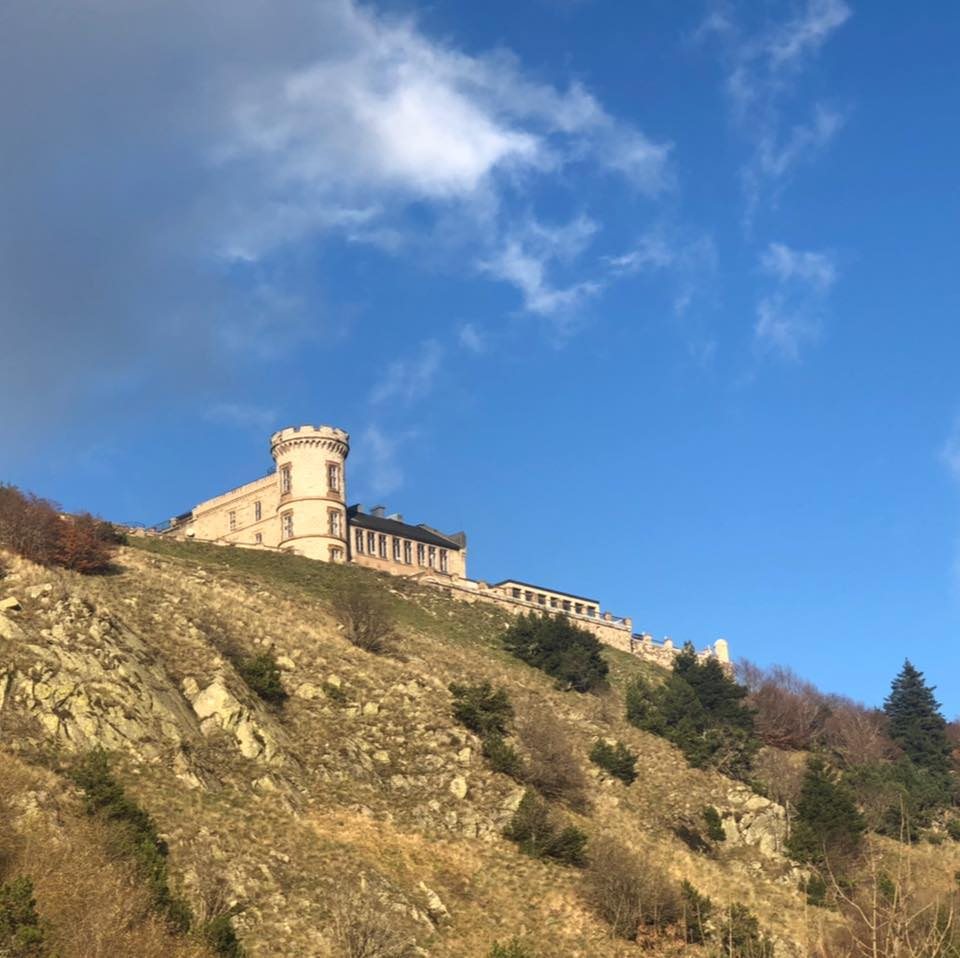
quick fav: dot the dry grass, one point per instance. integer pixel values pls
(93, 906)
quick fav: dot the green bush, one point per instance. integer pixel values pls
(828, 828)
(218, 935)
(953, 829)
(133, 834)
(556, 646)
(815, 888)
(511, 949)
(535, 831)
(482, 708)
(20, 933)
(700, 709)
(502, 756)
(740, 937)
(617, 759)
(696, 910)
(714, 824)
(262, 676)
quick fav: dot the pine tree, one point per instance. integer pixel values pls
(917, 726)
(828, 827)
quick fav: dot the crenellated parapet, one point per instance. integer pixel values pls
(325, 438)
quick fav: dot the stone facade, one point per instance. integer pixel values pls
(301, 507)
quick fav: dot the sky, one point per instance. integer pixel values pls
(657, 301)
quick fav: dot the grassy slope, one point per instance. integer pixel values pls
(363, 788)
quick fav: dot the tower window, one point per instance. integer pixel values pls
(397, 546)
(336, 554)
(232, 517)
(334, 522)
(407, 552)
(443, 560)
(257, 511)
(286, 479)
(359, 540)
(286, 525)
(258, 538)
(382, 543)
(333, 477)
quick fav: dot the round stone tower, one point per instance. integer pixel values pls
(311, 473)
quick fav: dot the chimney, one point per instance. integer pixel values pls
(378, 511)
(396, 516)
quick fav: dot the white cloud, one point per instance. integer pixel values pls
(790, 316)
(407, 380)
(762, 69)
(471, 339)
(527, 257)
(376, 463)
(817, 269)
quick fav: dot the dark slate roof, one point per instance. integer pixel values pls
(396, 528)
(543, 588)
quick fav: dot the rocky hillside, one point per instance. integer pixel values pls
(361, 783)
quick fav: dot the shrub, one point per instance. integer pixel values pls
(897, 799)
(511, 949)
(700, 709)
(215, 921)
(482, 709)
(502, 756)
(740, 937)
(134, 835)
(262, 676)
(628, 892)
(33, 528)
(362, 928)
(20, 933)
(534, 830)
(695, 912)
(551, 766)
(828, 828)
(617, 759)
(365, 616)
(953, 829)
(815, 888)
(714, 824)
(556, 646)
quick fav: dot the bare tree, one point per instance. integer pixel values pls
(857, 735)
(551, 766)
(365, 616)
(789, 711)
(363, 929)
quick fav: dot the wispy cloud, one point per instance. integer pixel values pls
(763, 69)
(471, 338)
(950, 451)
(526, 259)
(376, 464)
(789, 317)
(410, 379)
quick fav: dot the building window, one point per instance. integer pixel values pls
(333, 477)
(553, 602)
(432, 557)
(541, 599)
(397, 547)
(382, 543)
(579, 608)
(443, 560)
(372, 543)
(286, 479)
(566, 605)
(258, 538)
(334, 522)
(286, 525)
(421, 556)
(407, 552)
(336, 554)
(359, 539)
(591, 610)
(515, 593)
(528, 596)
(257, 511)
(232, 517)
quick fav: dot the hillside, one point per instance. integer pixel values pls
(361, 785)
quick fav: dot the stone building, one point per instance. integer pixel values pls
(301, 507)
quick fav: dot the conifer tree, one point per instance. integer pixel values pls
(828, 828)
(916, 724)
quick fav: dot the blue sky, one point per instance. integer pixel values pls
(657, 301)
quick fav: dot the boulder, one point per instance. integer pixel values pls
(10, 604)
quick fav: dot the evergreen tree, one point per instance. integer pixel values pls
(917, 726)
(828, 827)
(560, 648)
